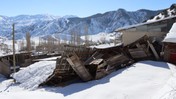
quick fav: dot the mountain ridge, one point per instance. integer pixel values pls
(43, 25)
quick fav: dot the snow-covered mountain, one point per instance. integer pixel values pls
(42, 25)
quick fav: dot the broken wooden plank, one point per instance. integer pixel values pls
(78, 67)
(153, 50)
(96, 61)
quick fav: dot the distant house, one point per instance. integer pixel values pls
(170, 45)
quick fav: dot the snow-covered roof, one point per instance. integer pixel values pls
(171, 36)
(105, 46)
(31, 77)
(48, 59)
(141, 24)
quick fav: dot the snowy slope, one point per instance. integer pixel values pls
(42, 25)
(103, 40)
(142, 80)
(168, 91)
(102, 37)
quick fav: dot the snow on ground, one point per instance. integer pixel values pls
(171, 36)
(32, 76)
(168, 91)
(142, 80)
(1, 53)
(2, 78)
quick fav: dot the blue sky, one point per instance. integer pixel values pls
(81, 8)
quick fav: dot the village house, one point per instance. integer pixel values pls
(169, 47)
(155, 32)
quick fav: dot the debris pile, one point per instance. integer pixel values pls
(85, 63)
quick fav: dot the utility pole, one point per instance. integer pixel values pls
(13, 41)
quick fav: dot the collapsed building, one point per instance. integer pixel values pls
(139, 42)
(99, 63)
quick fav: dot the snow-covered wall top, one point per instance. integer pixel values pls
(164, 14)
(171, 36)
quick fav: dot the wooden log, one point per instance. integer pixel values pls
(153, 50)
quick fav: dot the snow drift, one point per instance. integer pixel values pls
(142, 80)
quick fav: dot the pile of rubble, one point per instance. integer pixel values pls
(89, 64)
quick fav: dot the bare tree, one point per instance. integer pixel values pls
(72, 39)
(28, 41)
(33, 45)
(86, 35)
(51, 43)
(65, 39)
(78, 39)
(22, 46)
